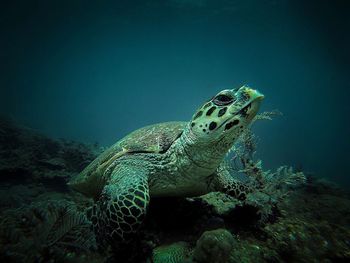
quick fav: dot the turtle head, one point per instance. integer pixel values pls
(223, 118)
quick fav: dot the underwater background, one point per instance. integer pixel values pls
(83, 74)
(94, 71)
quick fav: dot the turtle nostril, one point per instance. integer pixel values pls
(246, 108)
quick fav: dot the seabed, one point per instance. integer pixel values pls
(42, 220)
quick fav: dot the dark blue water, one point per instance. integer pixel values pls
(94, 72)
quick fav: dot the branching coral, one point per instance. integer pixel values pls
(283, 179)
(270, 187)
(44, 230)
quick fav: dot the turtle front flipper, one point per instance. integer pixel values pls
(226, 183)
(119, 212)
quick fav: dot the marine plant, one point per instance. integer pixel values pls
(45, 230)
(268, 187)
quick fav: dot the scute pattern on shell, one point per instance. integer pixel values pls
(156, 138)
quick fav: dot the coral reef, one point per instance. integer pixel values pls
(45, 230)
(27, 156)
(177, 252)
(286, 218)
(214, 246)
(269, 187)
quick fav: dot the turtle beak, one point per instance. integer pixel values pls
(255, 100)
(254, 95)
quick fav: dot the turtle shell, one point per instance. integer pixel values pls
(156, 138)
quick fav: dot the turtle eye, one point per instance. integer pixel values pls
(222, 100)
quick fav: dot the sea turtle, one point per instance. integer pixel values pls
(167, 159)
